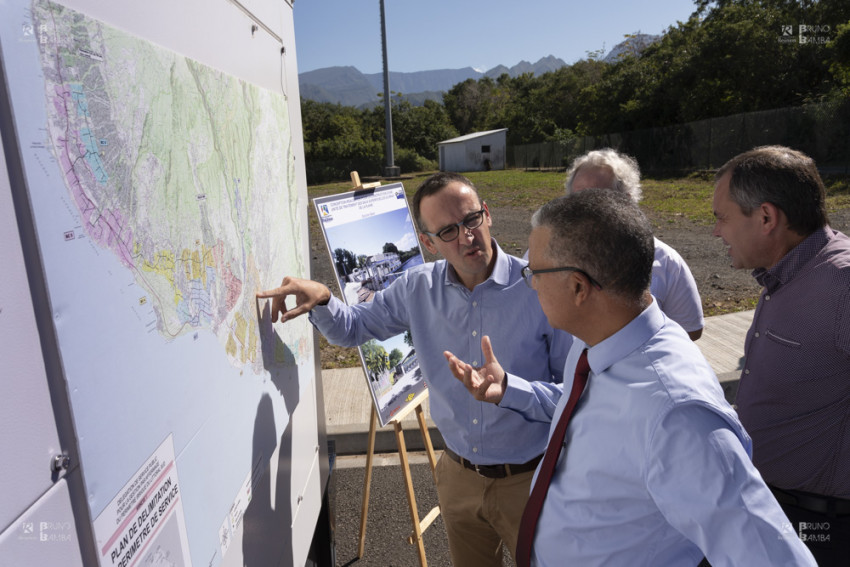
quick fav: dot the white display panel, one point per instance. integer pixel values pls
(162, 157)
(29, 498)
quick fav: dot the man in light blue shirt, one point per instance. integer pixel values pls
(485, 474)
(656, 467)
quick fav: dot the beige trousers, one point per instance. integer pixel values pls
(480, 513)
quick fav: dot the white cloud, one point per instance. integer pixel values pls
(406, 243)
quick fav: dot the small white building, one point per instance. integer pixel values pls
(479, 151)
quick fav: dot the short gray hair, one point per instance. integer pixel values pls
(624, 168)
(606, 234)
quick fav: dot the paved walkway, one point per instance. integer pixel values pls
(348, 404)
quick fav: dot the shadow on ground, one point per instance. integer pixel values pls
(388, 518)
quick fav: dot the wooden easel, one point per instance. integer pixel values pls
(419, 527)
(355, 180)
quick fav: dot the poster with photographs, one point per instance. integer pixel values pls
(372, 241)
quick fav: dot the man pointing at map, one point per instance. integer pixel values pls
(484, 476)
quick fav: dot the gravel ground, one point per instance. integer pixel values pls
(723, 289)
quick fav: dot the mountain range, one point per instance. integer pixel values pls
(349, 87)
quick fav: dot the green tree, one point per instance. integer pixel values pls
(396, 356)
(729, 57)
(377, 359)
(839, 48)
(390, 247)
(420, 128)
(474, 106)
(345, 261)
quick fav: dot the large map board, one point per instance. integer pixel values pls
(164, 191)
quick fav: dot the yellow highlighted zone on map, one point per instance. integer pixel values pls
(241, 328)
(238, 338)
(162, 264)
(195, 262)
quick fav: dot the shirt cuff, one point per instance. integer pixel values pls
(324, 314)
(516, 393)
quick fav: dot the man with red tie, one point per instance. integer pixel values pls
(647, 464)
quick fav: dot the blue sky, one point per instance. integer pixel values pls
(451, 34)
(368, 236)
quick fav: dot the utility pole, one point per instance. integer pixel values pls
(390, 170)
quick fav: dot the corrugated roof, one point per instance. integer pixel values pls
(471, 136)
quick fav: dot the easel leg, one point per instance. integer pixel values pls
(411, 497)
(426, 437)
(418, 527)
(367, 483)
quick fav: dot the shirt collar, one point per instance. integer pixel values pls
(790, 265)
(628, 339)
(501, 270)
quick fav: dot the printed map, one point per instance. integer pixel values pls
(180, 172)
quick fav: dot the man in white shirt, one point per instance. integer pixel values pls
(672, 284)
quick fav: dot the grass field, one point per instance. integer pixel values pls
(689, 196)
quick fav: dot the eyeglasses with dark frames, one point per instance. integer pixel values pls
(527, 273)
(470, 221)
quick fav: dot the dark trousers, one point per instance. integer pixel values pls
(827, 535)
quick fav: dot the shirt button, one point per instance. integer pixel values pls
(475, 304)
(475, 421)
(747, 371)
(475, 449)
(474, 333)
(767, 298)
(757, 334)
(474, 363)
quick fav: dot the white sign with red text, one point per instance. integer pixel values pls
(144, 524)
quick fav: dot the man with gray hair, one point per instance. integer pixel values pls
(673, 284)
(794, 394)
(656, 467)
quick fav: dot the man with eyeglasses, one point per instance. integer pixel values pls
(484, 475)
(653, 468)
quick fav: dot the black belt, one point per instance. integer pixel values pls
(494, 471)
(828, 505)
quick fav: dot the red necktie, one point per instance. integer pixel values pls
(547, 468)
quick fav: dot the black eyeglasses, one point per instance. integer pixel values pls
(470, 221)
(527, 272)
